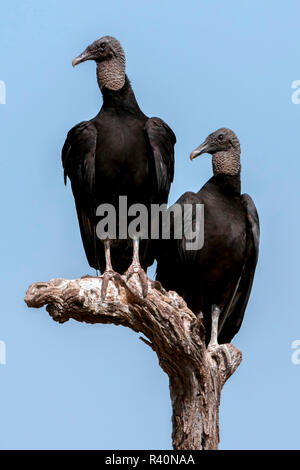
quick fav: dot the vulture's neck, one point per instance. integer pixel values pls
(227, 170)
(122, 99)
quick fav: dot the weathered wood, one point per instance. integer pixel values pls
(196, 374)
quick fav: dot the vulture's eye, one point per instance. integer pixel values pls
(220, 137)
(102, 46)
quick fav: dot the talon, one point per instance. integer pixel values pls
(144, 282)
(106, 277)
(136, 268)
(142, 275)
(227, 354)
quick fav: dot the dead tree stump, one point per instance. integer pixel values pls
(196, 374)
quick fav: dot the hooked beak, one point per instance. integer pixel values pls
(82, 58)
(203, 148)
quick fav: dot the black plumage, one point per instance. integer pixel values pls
(218, 277)
(120, 152)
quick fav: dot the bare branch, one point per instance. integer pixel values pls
(174, 333)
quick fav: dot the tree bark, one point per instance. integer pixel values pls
(196, 374)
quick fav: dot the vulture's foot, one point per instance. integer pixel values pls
(107, 276)
(135, 268)
(227, 355)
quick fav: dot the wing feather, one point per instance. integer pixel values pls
(162, 140)
(78, 159)
(239, 302)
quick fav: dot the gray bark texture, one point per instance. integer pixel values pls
(196, 374)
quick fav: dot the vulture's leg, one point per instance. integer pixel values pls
(109, 273)
(215, 314)
(213, 344)
(136, 268)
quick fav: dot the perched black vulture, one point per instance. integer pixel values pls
(120, 152)
(216, 280)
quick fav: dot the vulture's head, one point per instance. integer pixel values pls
(224, 146)
(109, 56)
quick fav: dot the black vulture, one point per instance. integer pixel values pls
(120, 152)
(216, 280)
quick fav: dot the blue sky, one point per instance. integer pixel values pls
(199, 65)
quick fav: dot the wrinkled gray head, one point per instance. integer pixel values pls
(224, 146)
(109, 55)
